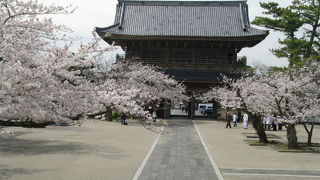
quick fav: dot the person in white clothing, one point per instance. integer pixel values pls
(154, 116)
(245, 121)
(235, 118)
(269, 122)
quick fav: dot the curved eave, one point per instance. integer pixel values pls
(113, 37)
(105, 29)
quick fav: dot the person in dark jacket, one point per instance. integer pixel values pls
(239, 116)
(229, 119)
(123, 119)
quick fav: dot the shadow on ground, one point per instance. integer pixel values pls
(6, 173)
(13, 146)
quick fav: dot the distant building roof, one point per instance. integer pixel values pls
(169, 18)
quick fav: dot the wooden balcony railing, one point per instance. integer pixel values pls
(186, 60)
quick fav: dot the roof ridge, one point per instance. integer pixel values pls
(225, 20)
(183, 0)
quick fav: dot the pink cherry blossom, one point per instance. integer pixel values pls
(41, 81)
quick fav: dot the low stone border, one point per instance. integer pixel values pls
(254, 135)
(281, 147)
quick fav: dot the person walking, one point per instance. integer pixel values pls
(275, 123)
(235, 119)
(279, 125)
(245, 121)
(183, 108)
(123, 119)
(154, 116)
(269, 123)
(264, 122)
(239, 116)
(229, 119)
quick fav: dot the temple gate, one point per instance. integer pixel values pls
(193, 40)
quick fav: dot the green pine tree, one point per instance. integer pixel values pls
(301, 17)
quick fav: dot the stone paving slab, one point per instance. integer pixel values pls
(179, 154)
(278, 172)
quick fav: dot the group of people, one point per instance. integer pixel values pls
(271, 123)
(154, 118)
(123, 119)
(236, 118)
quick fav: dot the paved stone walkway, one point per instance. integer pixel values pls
(271, 172)
(179, 154)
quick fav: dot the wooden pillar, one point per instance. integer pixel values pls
(166, 108)
(215, 106)
(192, 108)
(189, 109)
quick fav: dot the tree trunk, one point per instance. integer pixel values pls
(315, 26)
(309, 139)
(256, 122)
(258, 126)
(292, 136)
(108, 114)
(309, 132)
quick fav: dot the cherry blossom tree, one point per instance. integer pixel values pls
(37, 78)
(152, 81)
(311, 73)
(231, 96)
(24, 30)
(290, 97)
(42, 82)
(135, 87)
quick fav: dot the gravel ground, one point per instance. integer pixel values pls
(97, 150)
(230, 151)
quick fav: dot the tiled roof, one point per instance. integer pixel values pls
(182, 19)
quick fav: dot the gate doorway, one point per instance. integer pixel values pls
(200, 110)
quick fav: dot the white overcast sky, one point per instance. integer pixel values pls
(100, 13)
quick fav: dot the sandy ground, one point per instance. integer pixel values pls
(101, 150)
(97, 150)
(229, 150)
